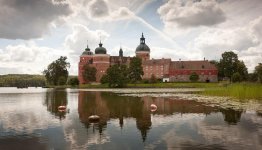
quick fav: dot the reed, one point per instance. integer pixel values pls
(241, 91)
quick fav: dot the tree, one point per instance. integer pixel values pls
(242, 70)
(117, 76)
(57, 70)
(135, 70)
(236, 77)
(89, 73)
(73, 81)
(252, 77)
(258, 71)
(194, 77)
(229, 64)
(104, 79)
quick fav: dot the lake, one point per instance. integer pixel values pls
(30, 119)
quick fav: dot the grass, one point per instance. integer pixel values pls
(241, 91)
(173, 85)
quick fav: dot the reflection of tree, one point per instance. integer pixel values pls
(54, 99)
(231, 116)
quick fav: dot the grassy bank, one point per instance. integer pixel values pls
(174, 85)
(242, 91)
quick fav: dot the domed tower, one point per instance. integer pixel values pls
(85, 58)
(142, 50)
(101, 61)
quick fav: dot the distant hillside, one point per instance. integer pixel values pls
(22, 80)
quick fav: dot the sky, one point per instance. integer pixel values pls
(33, 33)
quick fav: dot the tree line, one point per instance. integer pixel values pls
(22, 80)
(232, 69)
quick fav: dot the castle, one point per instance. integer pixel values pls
(165, 68)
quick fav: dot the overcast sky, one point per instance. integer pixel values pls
(33, 33)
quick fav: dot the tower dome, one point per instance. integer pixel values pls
(142, 47)
(100, 49)
(87, 51)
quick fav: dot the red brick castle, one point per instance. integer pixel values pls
(165, 68)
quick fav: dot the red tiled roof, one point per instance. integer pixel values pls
(157, 62)
(192, 65)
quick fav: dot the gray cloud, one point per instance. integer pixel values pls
(98, 8)
(191, 13)
(27, 19)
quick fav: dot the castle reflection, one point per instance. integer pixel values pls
(55, 98)
(109, 105)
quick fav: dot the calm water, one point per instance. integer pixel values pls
(29, 119)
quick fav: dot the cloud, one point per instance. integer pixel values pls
(27, 19)
(246, 41)
(77, 40)
(27, 58)
(191, 13)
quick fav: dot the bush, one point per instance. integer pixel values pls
(104, 79)
(236, 77)
(194, 77)
(73, 81)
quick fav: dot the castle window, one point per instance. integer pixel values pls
(203, 66)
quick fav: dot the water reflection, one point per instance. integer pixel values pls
(55, 98)
(110, 106)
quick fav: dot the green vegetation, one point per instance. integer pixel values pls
(56, 72)
(229, 65)
(73, 81)
(135, 70)
(117, 76)
(22, 80)
(237, 90)
(194, 77)
(258, 72)
(89, 73)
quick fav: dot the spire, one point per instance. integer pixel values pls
(87, 48)
(142, 39)
(121, 52)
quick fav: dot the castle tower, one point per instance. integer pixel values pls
(101, 61)
(142, 50)
(85, 58)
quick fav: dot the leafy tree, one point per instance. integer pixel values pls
(153, 79)
(135, 70)
(242, 70)
(252, 77)
(229, 63)
(194, 77)
(73, 81)
(104, 79)
(56, 70)
(236, 77)
(258, 71)
(117, 76)
(62, 80)
(89, 73)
